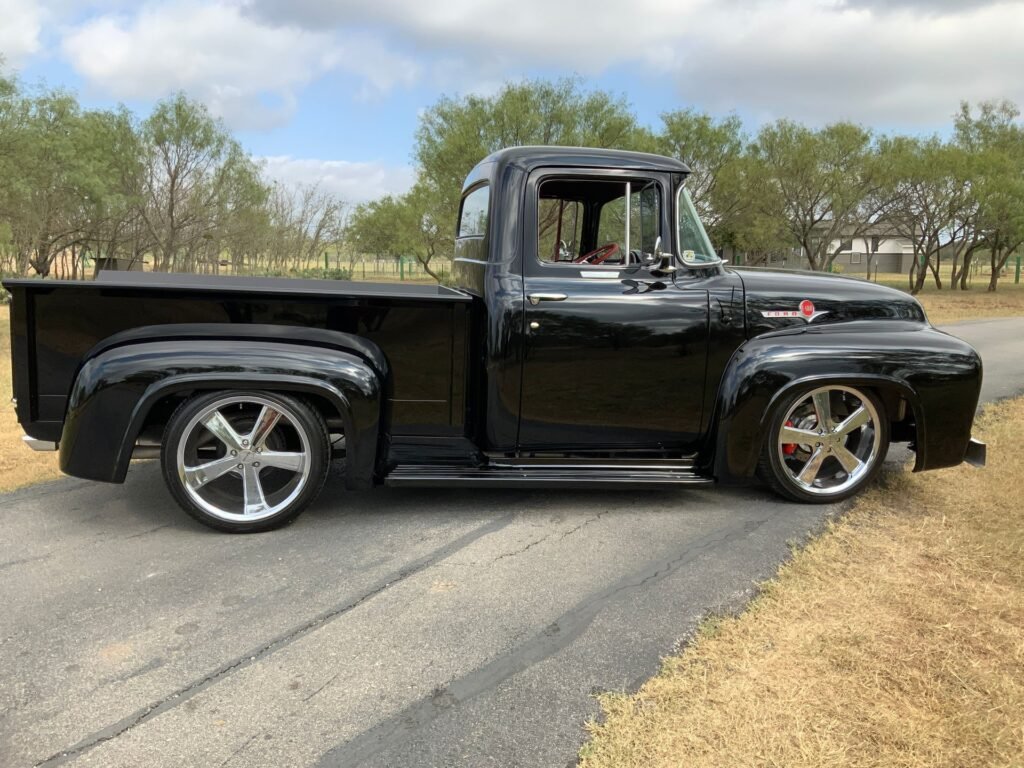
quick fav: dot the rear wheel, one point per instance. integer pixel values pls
(245, 461)
(825, 445)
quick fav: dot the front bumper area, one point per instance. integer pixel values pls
(975, 455)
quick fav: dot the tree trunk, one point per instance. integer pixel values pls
(965, 269)
(993, 281)
(922, 273)
(935, 271)
(954, 276)
(812, 261)
(919, 271)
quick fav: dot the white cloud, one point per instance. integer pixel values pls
(816, 62)
(350, 181)
(585, 35)
(887, 61)
(20, 24)
(247, 71)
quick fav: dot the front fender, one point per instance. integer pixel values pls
(937, 374)
(119, 383)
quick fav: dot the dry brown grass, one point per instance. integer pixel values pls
(948, 306)
(894, 639)
(18, 465)
(952, 306)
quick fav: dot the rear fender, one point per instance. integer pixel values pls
(122, 378)
(937, 374)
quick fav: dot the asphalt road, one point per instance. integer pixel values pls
(385, 628)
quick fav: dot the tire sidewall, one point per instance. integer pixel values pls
(307, 418)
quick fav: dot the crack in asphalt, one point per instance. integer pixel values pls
(24, 560)
(549, 641)
(185, 693)
(235, 754)
(535, 542)
(584, 524)
(517, 552)
(148, 531)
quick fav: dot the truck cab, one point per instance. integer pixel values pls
(595, 339)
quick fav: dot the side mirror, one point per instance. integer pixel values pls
(662, 261)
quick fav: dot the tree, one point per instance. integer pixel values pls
(431, 229)
(300, 224)
(56, 178)
(379, 227)
(456, 133)
(176, 188)
(406, 225)
(994, 142)
(826, 185)
(714, 150)
(117, 229)
(935, 208)
(195, 176)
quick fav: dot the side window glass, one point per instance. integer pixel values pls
(645, 222)
(611, 227)
(596, 222)
(473, 219)
(558, 229)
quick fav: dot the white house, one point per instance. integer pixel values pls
(879, 251)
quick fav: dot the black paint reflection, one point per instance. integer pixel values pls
(611, 366)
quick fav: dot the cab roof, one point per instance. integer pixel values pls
(529, 158)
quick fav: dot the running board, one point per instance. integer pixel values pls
(545, 476)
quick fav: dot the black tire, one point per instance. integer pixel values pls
(780, 462)
(278, 475)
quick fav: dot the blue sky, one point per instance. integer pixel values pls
(331, 91)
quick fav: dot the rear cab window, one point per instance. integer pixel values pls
(473, 216)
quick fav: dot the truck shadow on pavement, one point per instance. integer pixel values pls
(142, 505)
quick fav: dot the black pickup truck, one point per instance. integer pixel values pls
(592, 338)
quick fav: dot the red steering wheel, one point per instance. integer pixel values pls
(598, 255)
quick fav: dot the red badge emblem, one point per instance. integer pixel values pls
(805, 310)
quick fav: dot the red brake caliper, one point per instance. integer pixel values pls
(788, 448)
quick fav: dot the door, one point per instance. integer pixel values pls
(615, 350)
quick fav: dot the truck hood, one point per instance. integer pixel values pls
(775, 299)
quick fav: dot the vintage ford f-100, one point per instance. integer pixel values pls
(593, 337)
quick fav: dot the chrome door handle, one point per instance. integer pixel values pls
(537, 298)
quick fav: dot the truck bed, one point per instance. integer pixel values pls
(422, 330)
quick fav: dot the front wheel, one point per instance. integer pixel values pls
(245, 461)
(825, 444)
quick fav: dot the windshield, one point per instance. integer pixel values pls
(693, 240)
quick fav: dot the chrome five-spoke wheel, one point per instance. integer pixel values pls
(245, 461)
(825, 444)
